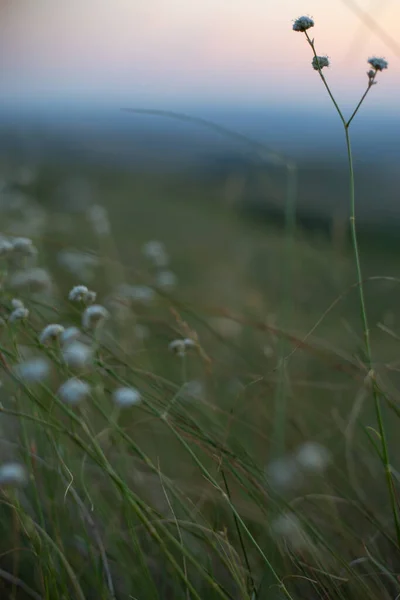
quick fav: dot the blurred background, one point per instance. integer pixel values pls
(69, 70)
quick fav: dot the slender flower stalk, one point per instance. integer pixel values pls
(377, 64)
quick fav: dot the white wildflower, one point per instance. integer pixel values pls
(194, 390)
(126, 396)
(34, 280)
(80, 264)
(93, 316)
(284, 474)
(378, 63)
(80, 293)
(73, 391)
(13, 474)
(179, 347)
(142, 294)
(302, 24)
(5, 247)
(288, 528)
(16, 303)
(166, 280)
(18, 314)
(33, 370)
(313, 457)
(155, 251)
(98, 217)
(70, 334)
(77, 355)
(23, 246)
(319, 62)
(51, 333)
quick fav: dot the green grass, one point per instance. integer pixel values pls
(171, 498)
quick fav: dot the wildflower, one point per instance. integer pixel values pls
(73, 391)
(23, 246)
(51, 333)
(378, 63)
(194, 390)
(156, 252)
(80, 293)
(302, 24)
(319, 62)
(93, 316)
(98, 218)
(70, 334)
(16, 303)
(33, 370)
(284, 474)
(18, 314)
(5, 247)
(78, 263)
(142, 294)
(166, 279)
(313, 457)
(126, 396)
(13, 474)
(287, 528)
(34, 280)
(180, 346)
(77, 355)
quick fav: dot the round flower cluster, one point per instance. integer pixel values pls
(319, 62)
(302, 24)
(378, 63)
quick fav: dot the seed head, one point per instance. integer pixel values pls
(34, 280)
(18, 314)
(51, 333)
(77, 355)
(93, 316)
(126, 396)
(179, 347)
(23, 246)
(13, 474)
(319, 62)
(16, 303)
(5, 247)
(313, 457)
(378, 63)
(302, 24)
(80, 293)
(70, 334)
(73, 391)
(33, 370)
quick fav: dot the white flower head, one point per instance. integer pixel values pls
(126, 396)
(73, 391)
(6, 247)
(288, 528)
(80, 293)
(35, 280)
(180, 347)
(94, 315)
(70, 334)
(156, 252)
(18, 314)
(51, 333)
(77, 355)
(141, 294)
(98, 217)
(319, 62)
(313, 457)
(16, 303)
(13, 474)
(284, 474)
(302, 24)
(166, 280)
(23, 246)
(33, 370)
(378, 63)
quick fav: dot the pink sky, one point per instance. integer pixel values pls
(172, 51)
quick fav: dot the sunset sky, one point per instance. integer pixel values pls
(170, 53)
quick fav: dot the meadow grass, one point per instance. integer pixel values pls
(197, 419)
